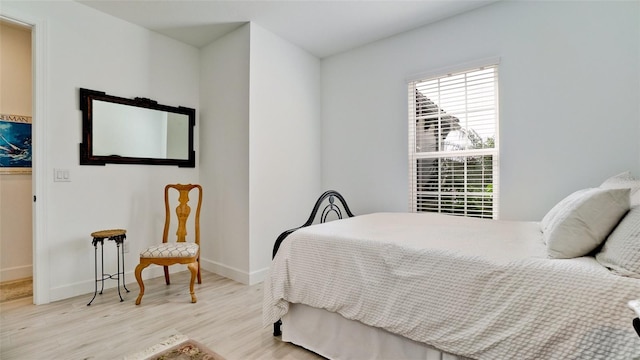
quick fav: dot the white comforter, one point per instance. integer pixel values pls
(478, 288)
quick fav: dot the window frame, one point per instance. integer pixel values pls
(414, 155)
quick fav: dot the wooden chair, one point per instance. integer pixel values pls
(180, 251)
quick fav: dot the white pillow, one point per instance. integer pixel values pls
(621, 251)
(582, 221)
(560, 207)
(624, 181)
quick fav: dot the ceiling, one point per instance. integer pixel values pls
(323, 28)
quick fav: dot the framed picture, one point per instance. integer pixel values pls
(15, 144)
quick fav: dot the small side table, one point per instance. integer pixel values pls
(118, 236)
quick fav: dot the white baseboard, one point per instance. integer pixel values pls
(235, 274)
(88, 286)
(15, 273)
(258, 276)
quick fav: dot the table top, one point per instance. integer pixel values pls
(108, 233)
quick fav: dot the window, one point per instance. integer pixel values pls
(453, 143)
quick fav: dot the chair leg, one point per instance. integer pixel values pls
(199, 276)
(166, 275)
(194, 268)
(138, 274)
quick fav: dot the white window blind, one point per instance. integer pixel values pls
(453, 143)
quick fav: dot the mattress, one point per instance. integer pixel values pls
(482, 289)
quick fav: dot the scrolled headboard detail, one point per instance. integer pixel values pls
(332, 207)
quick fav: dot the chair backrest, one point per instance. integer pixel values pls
(182, 211)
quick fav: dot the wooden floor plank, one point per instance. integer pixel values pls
(227, 318)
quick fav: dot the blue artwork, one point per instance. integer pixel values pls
(15, 142)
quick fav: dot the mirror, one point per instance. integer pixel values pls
(134, 131)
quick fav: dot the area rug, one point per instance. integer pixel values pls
(177, 347)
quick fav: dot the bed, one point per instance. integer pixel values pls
(433, 286)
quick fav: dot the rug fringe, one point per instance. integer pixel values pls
(160, 347)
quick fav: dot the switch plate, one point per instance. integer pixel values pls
(61, 175)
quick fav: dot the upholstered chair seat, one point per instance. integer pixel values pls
(170, 250)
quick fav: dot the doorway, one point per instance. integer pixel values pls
(16, 104)
(40, 256)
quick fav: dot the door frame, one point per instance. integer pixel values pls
(40, 262)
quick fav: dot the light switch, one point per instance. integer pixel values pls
(61, 175)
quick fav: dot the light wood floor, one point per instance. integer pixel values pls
(227, 318)
(16, 289)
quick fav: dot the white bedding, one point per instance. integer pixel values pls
(332, 336)
(482, 289)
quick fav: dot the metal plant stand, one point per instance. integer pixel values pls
(118, 236)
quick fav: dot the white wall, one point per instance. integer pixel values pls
(86, 48)
(569, 91)
(261, 157)
(284, 142)
(280, 90)
(224, 95)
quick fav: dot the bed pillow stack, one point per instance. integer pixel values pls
(625, 181)
(608, 215)
(579, 223)
(621, 250)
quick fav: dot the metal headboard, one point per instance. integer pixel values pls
(330, 208)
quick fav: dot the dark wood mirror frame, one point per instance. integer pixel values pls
(87, 156)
